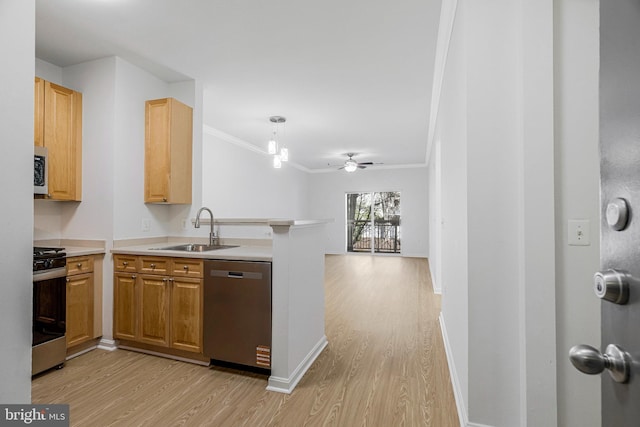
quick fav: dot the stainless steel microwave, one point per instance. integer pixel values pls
(40, 171)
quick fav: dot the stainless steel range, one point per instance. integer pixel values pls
(49, 309)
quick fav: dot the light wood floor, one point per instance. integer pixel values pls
(384, 366)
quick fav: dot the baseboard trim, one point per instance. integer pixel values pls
(455, 381)
(165, 355)
(437, 289)
(286, 385)
(463, 416)
(106, 344)
(81, 349)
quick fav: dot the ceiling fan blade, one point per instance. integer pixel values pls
(366, 163)
(362, 166)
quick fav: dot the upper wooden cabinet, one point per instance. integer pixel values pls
(58, 127)
(168, 151)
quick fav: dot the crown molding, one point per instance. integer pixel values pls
(247, 146)
(244, 144)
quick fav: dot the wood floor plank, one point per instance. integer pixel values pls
(384, 366)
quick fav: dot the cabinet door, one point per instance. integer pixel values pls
(124, 306)
(168, 151)
(63, 138)
(156, 160)
(186, 314)
(38, 113)
(155, 294)
(79, 308)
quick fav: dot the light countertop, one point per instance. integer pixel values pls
(73, 251)
(242, 252)
(75, 247)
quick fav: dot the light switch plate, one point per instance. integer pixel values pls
(146, 224)
(579, 232)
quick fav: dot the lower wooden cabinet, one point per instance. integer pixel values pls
(159, 309)
(125, 302)
(155, 292)
(80, 314)
(186, 306)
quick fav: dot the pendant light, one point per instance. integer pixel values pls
(280, 154)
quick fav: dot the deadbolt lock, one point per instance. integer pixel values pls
(612, 285)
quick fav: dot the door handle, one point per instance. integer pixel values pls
(590, 361)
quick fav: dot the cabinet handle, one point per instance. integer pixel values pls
(171, 279)
(68, 280)
(164, 199)
(152, 265)
(79, 265)
(165, 279)
(133, 276)
(186, 267)
(125, 263)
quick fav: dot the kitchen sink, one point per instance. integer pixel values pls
(194, 247)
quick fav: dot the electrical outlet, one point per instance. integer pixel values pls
(146, 224)
(184, 223)
(579, 232)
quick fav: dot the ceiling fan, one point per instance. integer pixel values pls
(350, 165)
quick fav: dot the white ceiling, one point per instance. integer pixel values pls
(349, 75)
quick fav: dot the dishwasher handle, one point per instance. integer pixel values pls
(236, 274)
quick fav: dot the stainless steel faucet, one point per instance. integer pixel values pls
(212, 236)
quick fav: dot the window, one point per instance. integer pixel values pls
(373, 222)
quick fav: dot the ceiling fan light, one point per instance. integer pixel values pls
(284, 154)
(277, 162)
(272, 148)
(350, 165)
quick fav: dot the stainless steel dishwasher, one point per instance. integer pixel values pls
(237, 312)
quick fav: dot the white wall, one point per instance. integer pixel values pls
(328, 190)
(242, 183)
(134, 86)
(435, 216)
(92, 218)
(17, 43)
(453, 250)
(495, 126)
(191, 93)
(576, 28)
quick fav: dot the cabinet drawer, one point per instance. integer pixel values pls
(186, 267)
(79, 264)
(154, 265)
(125, 263)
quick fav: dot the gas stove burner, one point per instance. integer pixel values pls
(48, 258)
(42, 250)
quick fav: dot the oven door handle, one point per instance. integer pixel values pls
(54, 273)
